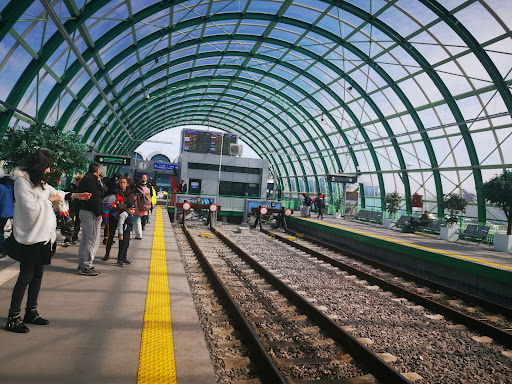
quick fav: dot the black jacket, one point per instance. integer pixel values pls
(90, 183)
(74, 205)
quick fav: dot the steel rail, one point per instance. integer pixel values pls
(269, 371)
(501, 336)
(382, 370)
(489, 305)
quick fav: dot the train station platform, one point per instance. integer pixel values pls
(479, 265)
(135, 324)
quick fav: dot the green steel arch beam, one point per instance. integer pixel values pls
(475, 48)
(397, 150)
(107, 146)
(304, 25)
(264, 128)
(220, 126)
(194, 118)
(450, 101)
(10, 15)
(156, 111)
(32, 69)
(137, 96)
(494, 74)
(206, 67)
(279, 20)
(127, 72)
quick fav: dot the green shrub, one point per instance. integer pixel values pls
(454, 204)
(498, 191)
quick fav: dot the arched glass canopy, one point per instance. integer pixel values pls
(414, 95)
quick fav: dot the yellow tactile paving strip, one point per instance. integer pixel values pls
(411, 244)
(156, 363)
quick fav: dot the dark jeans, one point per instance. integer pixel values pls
(3, 221)
(320, 209)
(110, 230)
(123, 246)
(144, 221)
(31, 275)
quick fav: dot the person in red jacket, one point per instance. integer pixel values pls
(320, 204)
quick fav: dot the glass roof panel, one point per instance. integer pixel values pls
(433, 71)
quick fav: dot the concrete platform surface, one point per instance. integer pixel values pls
(96, 322)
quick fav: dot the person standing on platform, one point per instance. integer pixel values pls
(307, 206)
(143, 205)
(320, 204)
(143, 183)
(124, 196)
(124, 230)
(90, 217)
(6, 206)
(182, 187)
(33, 238)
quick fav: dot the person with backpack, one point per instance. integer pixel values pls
(143, 205)
(320, 204)
(6, 206)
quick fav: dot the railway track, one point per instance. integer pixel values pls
(483, 316)
(290, 339)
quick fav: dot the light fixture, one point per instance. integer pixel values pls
(156, 60)
(350, 88)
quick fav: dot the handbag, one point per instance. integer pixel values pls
(10, 247)
(39, 253)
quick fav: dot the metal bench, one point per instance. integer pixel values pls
(362, 215)
(375, 217)
(403, 220)
(434, 226)
(475, 232)
(372, 217)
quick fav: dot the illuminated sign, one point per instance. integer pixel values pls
(167, 167)
(112, 160)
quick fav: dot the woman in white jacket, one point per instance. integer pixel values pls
(34, 229)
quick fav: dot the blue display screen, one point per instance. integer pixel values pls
(263, 203)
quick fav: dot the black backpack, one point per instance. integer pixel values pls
(307, 201)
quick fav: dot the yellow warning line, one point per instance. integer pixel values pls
(156, 363)
(411, 245)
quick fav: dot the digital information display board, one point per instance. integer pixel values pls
(207, 142)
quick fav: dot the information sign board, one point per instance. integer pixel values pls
(167, 167)
(112, 160)
(342, 178)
